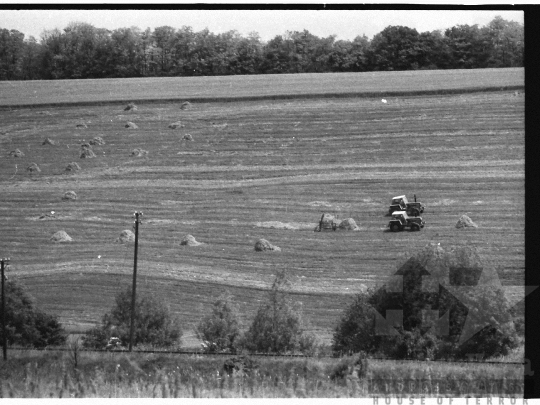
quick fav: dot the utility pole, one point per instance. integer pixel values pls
(137, 214)
(4, 263)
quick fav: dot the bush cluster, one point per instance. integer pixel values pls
(479, 312)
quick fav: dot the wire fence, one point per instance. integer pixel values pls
(272, 355)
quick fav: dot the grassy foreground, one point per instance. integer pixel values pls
(123, 375)
(221, 88)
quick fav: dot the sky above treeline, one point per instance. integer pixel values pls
(345, 24)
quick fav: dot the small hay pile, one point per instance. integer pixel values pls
(465, 222)
(186, 105)
(69, 195)
(189, 240)
(48, 216)
(276, 225)
(327, 222)
(33, 168)
(263, 245)
(176, 124)
(131, 107)
(98, 140)
(138, 152)
(48, 141)
(61, 236)
(73, 167)
(319, 204)
(126, 236)
(87, 152)
(81, 125)
(187, 137)
(16, 153)
(131, 125)
(348, 225)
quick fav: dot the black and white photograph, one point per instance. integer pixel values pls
(281, 201)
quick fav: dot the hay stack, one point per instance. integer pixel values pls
(81, 125)
(126, 236)
(16, 153)
(48, 216)
(33, 168)
(98, 140)
(186, 105)
(465, 222)
(61, 236)
(327, 222)
(87, 153)
(348, 225)
(138, 152)
(131, 125)
(175, 125)
(263, 245)
(48, 141)
(189, 240)
(187, 137)
(131, 107)
(72, 167)
(69, 195)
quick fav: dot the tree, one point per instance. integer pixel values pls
(11, 54)
(277, 327)
(153, 323)
(26, 325)
(506, 38)
(355, 331)
(469, 46)
(219, 330)
(395, 48)
(451, 306)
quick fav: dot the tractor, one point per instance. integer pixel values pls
(400, 203)
(401, 221)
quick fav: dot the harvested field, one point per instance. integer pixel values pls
(270, 172)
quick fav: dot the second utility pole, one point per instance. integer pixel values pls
(4, 335)
(132, 326)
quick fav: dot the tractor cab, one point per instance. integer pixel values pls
(400, 216)
(398, 203)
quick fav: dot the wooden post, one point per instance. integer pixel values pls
(134, 288)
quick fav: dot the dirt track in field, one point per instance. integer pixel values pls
(251, 165)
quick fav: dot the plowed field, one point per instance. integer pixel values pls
(259, 169)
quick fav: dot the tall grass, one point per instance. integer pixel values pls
(135, 375)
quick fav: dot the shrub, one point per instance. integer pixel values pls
(26, 325)
(241, 363)
(153, 323)
(478, 317)
(219, 330)
(277, 327)
(350, 365)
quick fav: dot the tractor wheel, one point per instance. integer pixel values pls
(395, 228)
(415, 228)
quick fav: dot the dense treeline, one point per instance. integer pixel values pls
(83, 51)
